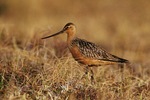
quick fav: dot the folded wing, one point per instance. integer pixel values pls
(91, 50)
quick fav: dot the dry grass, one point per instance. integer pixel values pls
(33, 69)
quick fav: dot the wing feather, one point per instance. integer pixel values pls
(91, 50)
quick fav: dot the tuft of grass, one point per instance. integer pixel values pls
(34, 74)
(31, 68)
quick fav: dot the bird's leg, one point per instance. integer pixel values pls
(86, 72)
(92, 76)
(121, 66)
(89, 73)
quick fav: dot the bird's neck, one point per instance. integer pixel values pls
(70, 38)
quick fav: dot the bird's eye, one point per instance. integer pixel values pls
(68, 26)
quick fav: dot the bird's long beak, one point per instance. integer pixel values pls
(62, 31)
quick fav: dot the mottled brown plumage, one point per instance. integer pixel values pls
(95, 55)
(86, 52)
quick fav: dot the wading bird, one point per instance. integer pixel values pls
(86, 52)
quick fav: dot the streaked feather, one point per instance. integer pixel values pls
(91, 50)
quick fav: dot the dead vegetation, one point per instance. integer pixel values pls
(33, 69)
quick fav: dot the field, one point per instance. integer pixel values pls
(36, 69)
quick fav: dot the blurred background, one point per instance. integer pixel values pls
(122, 27)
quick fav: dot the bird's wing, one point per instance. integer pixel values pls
(91, 50)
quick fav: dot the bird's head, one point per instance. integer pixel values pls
(69, 28)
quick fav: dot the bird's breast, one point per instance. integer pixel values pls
(75, 51)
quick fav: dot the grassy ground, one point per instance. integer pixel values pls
(35, 69)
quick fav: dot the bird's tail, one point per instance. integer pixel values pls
(123, 60)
